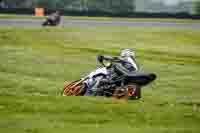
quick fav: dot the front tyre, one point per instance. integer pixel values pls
(76, 88)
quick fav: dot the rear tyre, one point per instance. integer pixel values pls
(129, 92)
(134, 92)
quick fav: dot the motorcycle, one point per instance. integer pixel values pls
(52, 20)
(122, 86)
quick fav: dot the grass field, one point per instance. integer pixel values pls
(35, 63)
(168, 20)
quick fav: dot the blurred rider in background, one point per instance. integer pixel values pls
(53, 19)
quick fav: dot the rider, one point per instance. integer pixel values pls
(53, 19)
(126, 64)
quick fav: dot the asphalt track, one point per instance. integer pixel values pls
(92, 23)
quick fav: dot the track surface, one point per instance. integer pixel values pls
(89, 23)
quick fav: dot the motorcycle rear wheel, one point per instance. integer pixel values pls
(129, 92)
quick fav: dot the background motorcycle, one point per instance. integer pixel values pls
(50, 22)
(53, 20)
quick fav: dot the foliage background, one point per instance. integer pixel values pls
(77, 5)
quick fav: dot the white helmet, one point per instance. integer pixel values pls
(127, 53)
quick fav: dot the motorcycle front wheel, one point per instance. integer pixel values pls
(76, 88)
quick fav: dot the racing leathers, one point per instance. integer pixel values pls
(121, 66)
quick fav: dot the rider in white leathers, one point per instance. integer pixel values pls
(128, 64)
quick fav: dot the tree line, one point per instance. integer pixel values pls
(110, 6)
(197, 7)
(77, 5)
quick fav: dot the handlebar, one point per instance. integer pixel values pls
(102, 58)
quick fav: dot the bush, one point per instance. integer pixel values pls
(197, 7)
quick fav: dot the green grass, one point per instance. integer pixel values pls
(170, 20)
(35, 63)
